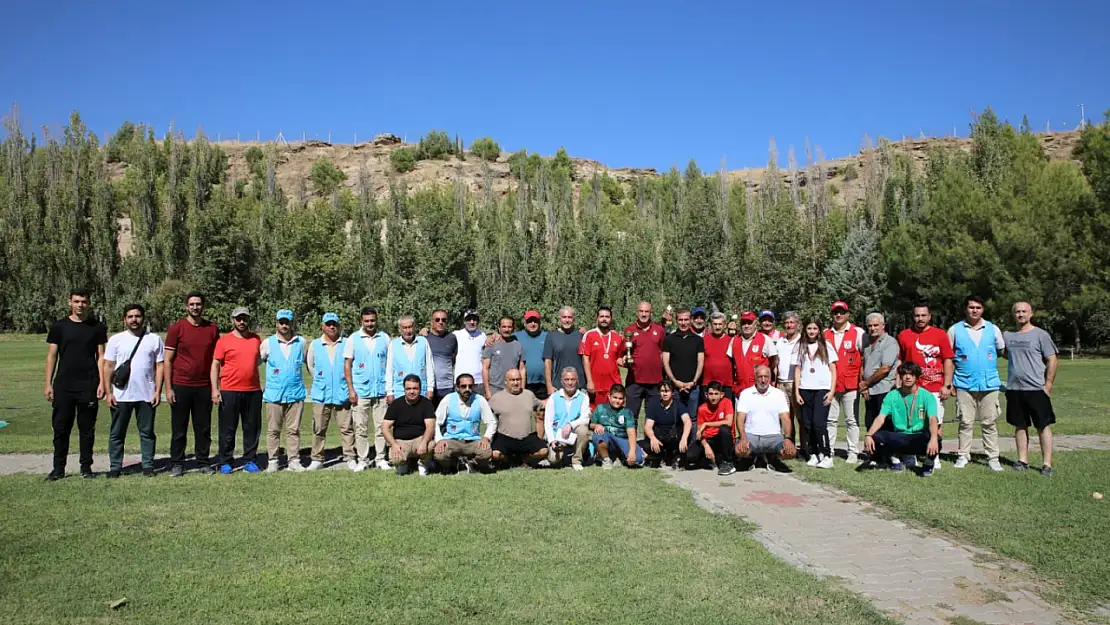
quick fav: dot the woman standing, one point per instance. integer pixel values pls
(814, 362)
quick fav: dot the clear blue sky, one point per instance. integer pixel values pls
(629, 83)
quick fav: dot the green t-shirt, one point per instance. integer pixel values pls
(616, 422)
(896, 407)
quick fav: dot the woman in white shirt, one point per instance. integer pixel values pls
(814, 361)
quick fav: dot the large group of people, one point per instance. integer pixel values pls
(714, 393)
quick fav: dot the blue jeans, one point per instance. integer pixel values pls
(618, 444)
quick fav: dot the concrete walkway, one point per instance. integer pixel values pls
(916, 577)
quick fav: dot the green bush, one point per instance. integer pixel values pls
(486, 148)
(851, 172)
(403, 159)
(325, 177)
(435, 144)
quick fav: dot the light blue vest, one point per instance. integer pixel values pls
(458, 428)
(329, 386)
(403, 365)
(565, 411)
(284, 384)
(368, 366)
(976, 365)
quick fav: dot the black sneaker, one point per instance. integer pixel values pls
(1046, 471)
(760, 462)
(746, 464)
(88, 475)
(1021, 466)
(725, 468)
(54, 476)
(113, 475)
(910, 462)
(148, 472)
(177, 470)
(778, 466)
(206, 469)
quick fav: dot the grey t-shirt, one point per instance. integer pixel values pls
(877, 354)
(444, 349)
(503, 355)
(515, 413)
(561, 348)
(1026, 353)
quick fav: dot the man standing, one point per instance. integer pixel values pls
(666, 430)
(683, 361)
(532, 338)
(330, 393)
(457, 427)
(767, 326)
(500, 357)
(408, 354)
(237, 391)
(645, 371)
(718, 363)
(930, 348)
(445, 348)
(698, 318)
(470, 342)
(190, 344)
(764, 424)
(515, 408)
(754, 349)
(284, 394)
(880, 358)
(848, 340)
(560, 350)
(133, 368)
(916, 430)
(74, 382)
(977, 345)
(364, 358)
(1032, 356)
(784, 349)
(408, 429)
(601, 348)
(566, 420)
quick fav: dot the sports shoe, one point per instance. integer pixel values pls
(813, 460)
(995, 465)
(272, 466)
(54, 476)
(361, 465)
(295, 465)
(225, 469)
(1021, 466)
(927, 470)
(960, 462)
(725, 468)
(383, 465)
(352, 465)
(607, 464)
(251, 467)
(1046, 471)
(826, 463)
(177, 470)
(207, 469)
(314, 465)
(88, 475)
(421, 469)
(911, 462)
(469, 466)
(895, 461)
(114, 475)
(577, 466)
(852, 459)
(897, 467)
(148, 472)
(936, 463)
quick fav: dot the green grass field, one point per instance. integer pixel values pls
(336, 547)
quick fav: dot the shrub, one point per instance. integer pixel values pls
(486, 148)
(325, 177)
(403, 159)
(851, 172)
(435, 144)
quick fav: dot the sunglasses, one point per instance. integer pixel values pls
(284, 322)
(840, 312)
(439, 319)
(465, 387)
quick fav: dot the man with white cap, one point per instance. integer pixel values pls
(471, 341)
(237, 390)
(330, 394)
(284, 393)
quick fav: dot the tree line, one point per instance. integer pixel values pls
(999, 220)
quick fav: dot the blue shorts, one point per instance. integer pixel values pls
(618, 444)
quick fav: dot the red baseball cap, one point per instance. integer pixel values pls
(839, 304)
(531, 313)
(747, 315)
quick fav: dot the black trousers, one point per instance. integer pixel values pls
(70, 407)
(815, 419)
(191, 402)
(636, 395)
(888, 444)
(722, 445)
(871, 408)
(236, 407)
(668, 452)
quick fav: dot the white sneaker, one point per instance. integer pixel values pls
(352, 465)
(936, 463)
(895, 460)
(962, 462)
(577, 466)
(813, 460)
(361, 465)
(825, 463)
(421, 469)
(383, 465)
(295, 465)
(995, 465)
(607, 464)
(852, 459)
(272, 466)
(314, 465)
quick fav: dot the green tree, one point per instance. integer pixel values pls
(326, 177)
(485, 148)
(403, 159)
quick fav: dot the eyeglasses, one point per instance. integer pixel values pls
(284, 322)
(439, 319)
(465, 387)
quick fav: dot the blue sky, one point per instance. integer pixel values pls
(648, 84)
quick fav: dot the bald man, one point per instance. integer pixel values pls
(764, 425)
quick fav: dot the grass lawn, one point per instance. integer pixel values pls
(1081, 400)
(515, 547)
(1053, 524)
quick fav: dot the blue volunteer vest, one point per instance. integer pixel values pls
(459, 428)
(565, 411)
(403, 365)
(368, 365)
(284, 384)
(976, 365)
(329, 386)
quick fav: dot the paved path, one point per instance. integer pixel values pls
(915, 576)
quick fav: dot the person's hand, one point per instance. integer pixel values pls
(865, 394)
(388, 398)
(656, 445)
(424, 331)
(429, 395)
(945, 393)
(869, 444)
(112, 400)
(1048, 388)
(492, 338)
(48, 393)
(352, 396)
(565, 432)
(489, 395)
(683, 445)
(483, 444)
(932, 449)
(829, 398)
(590, 388)
(216, 397)
(100, 392)
(798, 398)
(621, 362)
(743, 446)
(788, 449)
(441, 446)
(667, 316)
(863, 385)
(396, 453)
(597, 428)
(421, 448)
(630, 461)
(157, 399)
(171, 396)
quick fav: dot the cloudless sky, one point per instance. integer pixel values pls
(649, 84)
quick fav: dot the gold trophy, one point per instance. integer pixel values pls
(628, 362)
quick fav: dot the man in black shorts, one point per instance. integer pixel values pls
(75, 346)
(408, 429)
(1032, 370)
(517, 423)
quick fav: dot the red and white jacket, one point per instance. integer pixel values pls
(849, 357)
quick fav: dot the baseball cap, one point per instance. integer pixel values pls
(698, 310)
(330, 317)
(470, 312)
(532, 313)
(285, 313)
(767, 313)
(839, 304)
(747, 315)
(241, 310)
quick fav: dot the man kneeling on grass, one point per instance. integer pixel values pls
(408, 429)
(457, 430)
(910, 409)
(517, 423)
(614, 430)
(764, 424)
(715, 418)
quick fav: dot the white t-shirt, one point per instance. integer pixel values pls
(140, 386)
(785, 350)
(469, 357)
(762, 410)
(815, 374)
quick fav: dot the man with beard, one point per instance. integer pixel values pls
(330, 394)
(190, 344)
(284, 392)
(764, 424)
(365, 356)
(977, 345)
(470, 342)
(143, 353)
(458, 419)
(237, 390)
(754, 349)
(645, 372)
(560, 350)
(501, 356)
(601, 349)
(566, 421)
(929, 347)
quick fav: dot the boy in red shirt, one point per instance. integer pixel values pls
(715, 418)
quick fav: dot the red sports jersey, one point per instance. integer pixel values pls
(718, 365)
(647, 354)
(707, 415)
(603, 351)
(929, 349)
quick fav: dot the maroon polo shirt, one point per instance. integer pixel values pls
(647, 354)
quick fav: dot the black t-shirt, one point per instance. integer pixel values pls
(77, 343)
(664, 419)
(408, 419)
(684, 350)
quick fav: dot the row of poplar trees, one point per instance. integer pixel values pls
(1000, 220)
